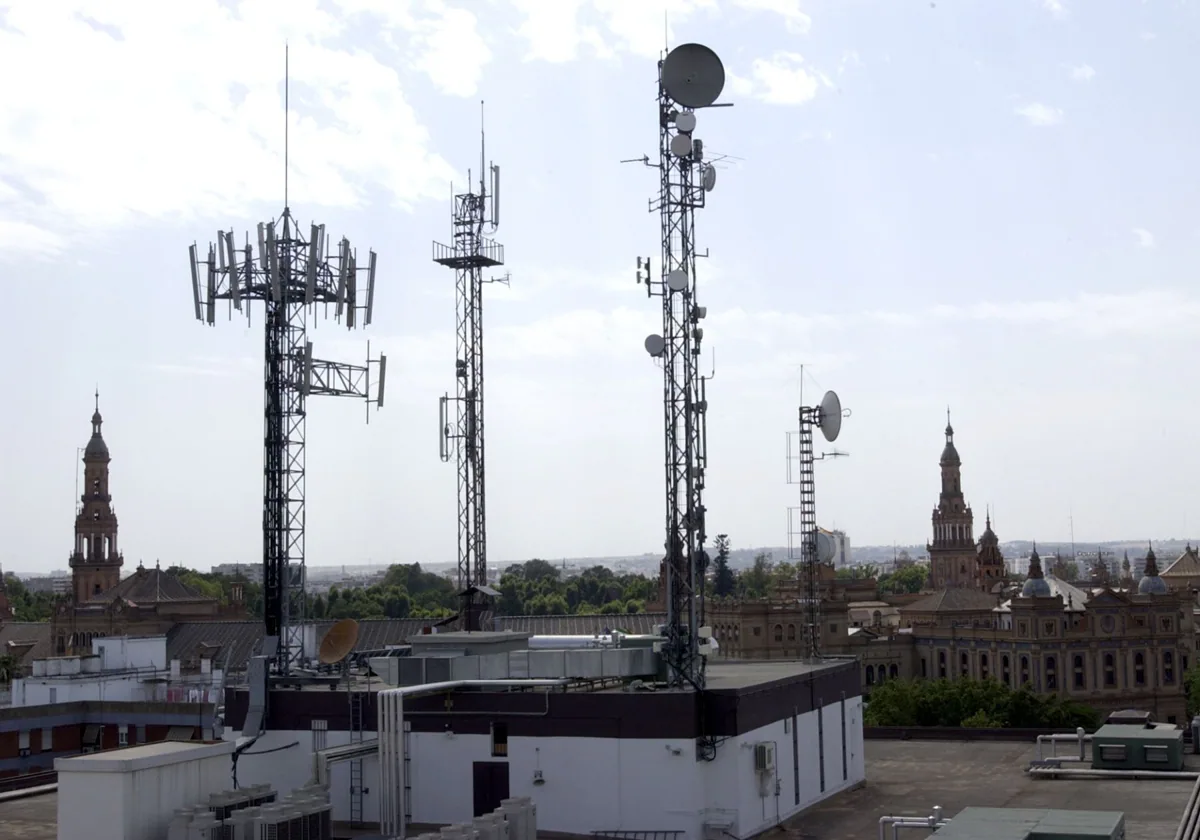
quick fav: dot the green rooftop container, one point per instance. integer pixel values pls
(1128, 747)
(1033, 824)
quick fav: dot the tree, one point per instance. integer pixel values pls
(755, 582)
(971, 703)
(724, 581)
(906, 580)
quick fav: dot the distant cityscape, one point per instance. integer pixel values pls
(878, 558)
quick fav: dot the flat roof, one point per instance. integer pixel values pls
(142, 756)
(907, 778)
(1135, 731)
(30, 817)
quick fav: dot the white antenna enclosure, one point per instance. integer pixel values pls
(677, 280)
(826, 548)
(686, 122)
(681, 145)
(829, 416)
(655, 344)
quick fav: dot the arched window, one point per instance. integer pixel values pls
(893, 670)
(941, 664)
(1168, 668)
(791, 632)
(1051, 673)
(870, 675)
(779, 632)
(1024, 670)
(1139, 669)
(1110, 671)
(924, 668)
(983, 666)
(877, 616)
(1005, 670)
(882, 674)
(964, 665)
(1077, 667)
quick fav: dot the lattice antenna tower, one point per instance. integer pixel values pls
(475, 217)
(296, 279)
(816, 547)
(690, 78)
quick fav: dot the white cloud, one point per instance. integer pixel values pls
(1082, 73)
(795, 20)
(203, 131)
(21, 239)
(1039, 114)
(1144, 237)
(782, 80)
(555, 30)
(1056, 8)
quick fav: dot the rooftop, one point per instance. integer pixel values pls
(903, 777)
(910, 777)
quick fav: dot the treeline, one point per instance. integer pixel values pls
(974, 704)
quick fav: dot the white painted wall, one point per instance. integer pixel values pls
(132, 794)
(122, 652)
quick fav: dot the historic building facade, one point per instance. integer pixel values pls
(1109, 648)
(148, 602)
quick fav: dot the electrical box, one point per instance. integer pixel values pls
(764, 757)
(1130, 747)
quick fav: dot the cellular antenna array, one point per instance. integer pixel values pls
(475, 216)
(296, 279)
(690, 78)
(817, 547)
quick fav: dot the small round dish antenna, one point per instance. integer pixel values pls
(677, 280)
(829, 416)
(709, 178)
(693, 76)
(681, 145)
(686, 122)
(826, 549)
(656, 345)
(338, 642)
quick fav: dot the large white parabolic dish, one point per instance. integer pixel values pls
(829, 416)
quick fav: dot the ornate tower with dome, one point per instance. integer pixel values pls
(96, 560)
(991, 560)
(953, 563)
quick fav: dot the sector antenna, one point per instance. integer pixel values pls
(690, 78)
(299, 279)
(476, 216)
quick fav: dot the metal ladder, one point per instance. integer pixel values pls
(407, 772)
(357, 700)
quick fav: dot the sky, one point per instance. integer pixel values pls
(990, 207)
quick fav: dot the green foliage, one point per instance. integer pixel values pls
(908, 580)
(8, 668)
(972, 703)
(724, 581)
(756, 582)
(1191, 681)
(28, 606)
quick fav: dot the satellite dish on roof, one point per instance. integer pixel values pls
(656, 345)
(686, 122)
(681, 145)
(709, 178)
(338, 642)
(677, 280)
(829, 416)
(693, 75)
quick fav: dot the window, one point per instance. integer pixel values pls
(1139, 621)
(1168, 668)
(964, 665)
(141, 734)
(833, 629)
(1139, 669)
(500, 739)
(1110, 671)
(1005, 670)
(983, 666)
(1077, 667)
(882, 674)
(123, 735)
(23, 741)
(779, 632)
(1049, 628)
(893, 670)
(1166, 623)
(54, 691)
(941, 664)
(757, 631)
(870, 675)
(924, 667)
(1024, 670)
(47, 738)
(1051, 673)
(791, 632)
(1023, 627)
(1112, 752)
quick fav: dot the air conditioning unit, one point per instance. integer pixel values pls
(23, 752)
(764, 757)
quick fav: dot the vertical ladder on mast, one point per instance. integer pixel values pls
(357, 700)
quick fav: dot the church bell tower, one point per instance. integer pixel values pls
(952, 559)
(96, 560)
